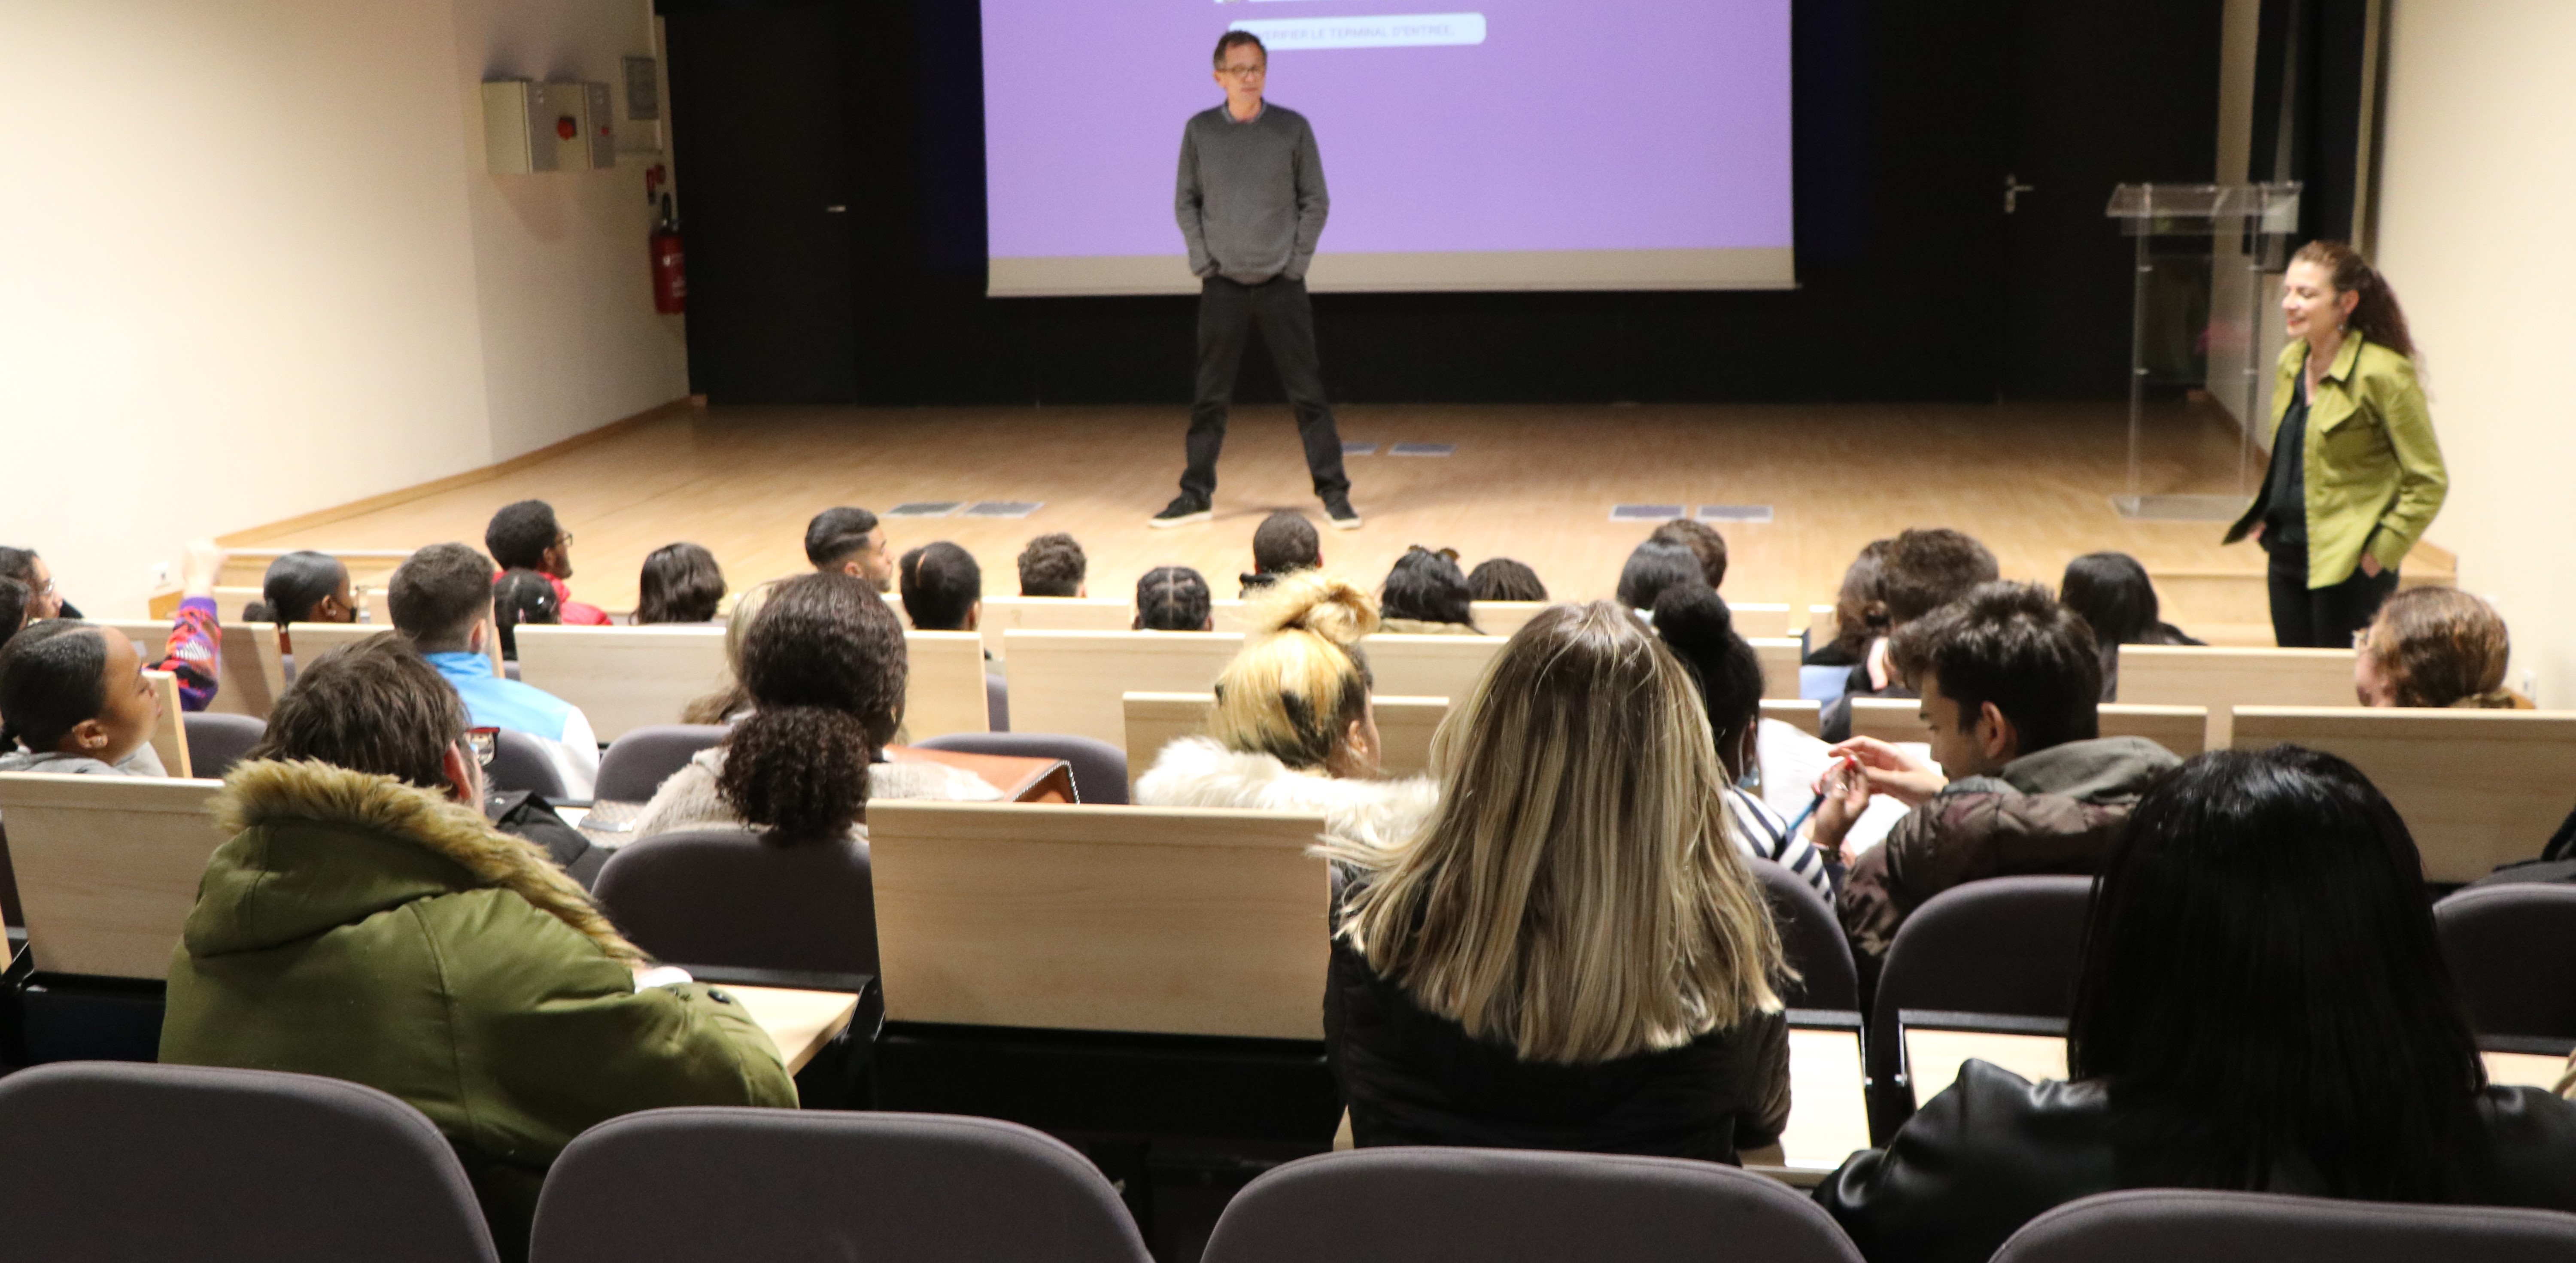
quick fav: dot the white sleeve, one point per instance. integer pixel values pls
(576, 757)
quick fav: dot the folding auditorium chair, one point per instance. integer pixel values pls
(2155, 1225)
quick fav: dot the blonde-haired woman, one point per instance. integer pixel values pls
(733, 701)
(2435, 647)
(1293, 728)
(1570, 953)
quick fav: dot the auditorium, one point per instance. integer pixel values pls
(1286, 631)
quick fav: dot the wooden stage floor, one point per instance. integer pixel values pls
(1535, 482)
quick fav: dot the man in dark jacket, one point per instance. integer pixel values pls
(2010, 682)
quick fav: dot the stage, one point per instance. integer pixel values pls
(1535, 482)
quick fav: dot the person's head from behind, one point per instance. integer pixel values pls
(1860, 608)
(824, 667)
(525, 536)
(1053, 565)
(850, 542)
(1299, 690)
(1696, 625)
(521, 597)
(680, 583)
(1503, 579)
(1575, 895)
(1927, 569)
(1285, 543)
(2433, 647)
(1427, 587)
(307, 587)
(2261, 977)
(1655, 566)
(375, 706)
(440, 597)
(2113, 595)
(1703, 541)
(2004, 672)
(43, 599)
(14, 599)
(943, 588)
(1174, 598)
(71, 688)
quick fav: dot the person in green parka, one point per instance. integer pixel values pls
(366, 923)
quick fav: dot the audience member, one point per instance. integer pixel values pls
(1503, 579)
(1653, 567)
(525, 536)
(1703, 541)
(2112, 594)
(1174, 598)
(1283, 544)
(1860, 609)
(14, 599)
(732, 702)
(194, 651)
(1053, 565)
(366, 923)
(45, 599)
(2010, 682)
(824, 667)
(523, 596)
(442, 600)
(943, 588)
(2436, 647)
(1293, 728)
(303, 587)
(73, 699)
(1696, 625)
(2263, 1006)
(680, 583)
(1426, 595)
(1925, 570)
(850, 541)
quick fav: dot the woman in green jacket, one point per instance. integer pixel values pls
(366, 923)
(2356, 475)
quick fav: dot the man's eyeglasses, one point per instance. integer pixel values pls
(485, 742)
(1244, 72)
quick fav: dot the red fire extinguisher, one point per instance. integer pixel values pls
(670, 273)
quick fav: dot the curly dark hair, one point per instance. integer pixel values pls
(520, 534)
(1052, 565)
(825, 666)
(1427, 587)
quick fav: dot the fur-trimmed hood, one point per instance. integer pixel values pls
(317, 846)
(1198, 772)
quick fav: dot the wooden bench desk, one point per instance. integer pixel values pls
(799, 1022)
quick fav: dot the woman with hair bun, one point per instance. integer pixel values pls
(824, 670)
(2435, 647)
(1293, 729)
(2356, 475)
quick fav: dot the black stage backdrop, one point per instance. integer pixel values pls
(1909, 115)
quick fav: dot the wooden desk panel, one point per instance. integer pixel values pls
(1933, 1057)
(1828, 1109)
(799, 1022)
(2477, 788)
(2220, 678)
(107, 867)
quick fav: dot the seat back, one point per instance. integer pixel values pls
(1779, 656)
(783, 1184)
(1099, 768)
(249, 679)
(2221, 678)
(1404, 728)
(1806, 717)
(730, 897)
(943, 688)
(1071, 682)
(1504, 618)
(234, 1164)
(1400, 1205)
(1811, 936)
(2477, 788)
(636, 764)
(107, 867)
(520, 761)
(1429, 666)
(2005, 945)
(217, 741)
(2512, 950)
(622, 678)
(1890, 719)
(1004, 614)
(1761, 620)
(1161, 920)
(2157, 1225)
(169, 740)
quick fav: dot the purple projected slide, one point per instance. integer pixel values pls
(1445, 125)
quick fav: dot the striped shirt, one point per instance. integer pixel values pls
(1764, 835)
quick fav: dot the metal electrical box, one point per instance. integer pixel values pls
(531, 127)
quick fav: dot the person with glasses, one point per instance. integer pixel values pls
(366, 923)
(194, 651)
(525, 536)
(1251, 204)
(441, 599)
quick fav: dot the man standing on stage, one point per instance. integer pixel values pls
(1251, 204)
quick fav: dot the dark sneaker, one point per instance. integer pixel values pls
(1345, 518)
(1181, 512)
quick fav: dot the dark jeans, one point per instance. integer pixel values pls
(1227, 312)
(2321, 618)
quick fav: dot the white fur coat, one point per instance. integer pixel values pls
(1197, 772)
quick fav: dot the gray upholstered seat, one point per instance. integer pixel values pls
(2162, 1225)
(217, 741)
(731, 897)
(636, 764)
(2512, 950)
(1812, 937)
(519, 762)
(2005, 945)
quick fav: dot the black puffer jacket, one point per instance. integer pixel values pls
(1412, 1077)
(1994, 1151)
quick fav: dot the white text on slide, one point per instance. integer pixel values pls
(1408, 30)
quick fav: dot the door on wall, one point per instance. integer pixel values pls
(759, 122)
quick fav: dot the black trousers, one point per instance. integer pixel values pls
(1227, 312)
(2321, 618)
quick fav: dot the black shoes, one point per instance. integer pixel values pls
(1183, 510)
(1338, 508)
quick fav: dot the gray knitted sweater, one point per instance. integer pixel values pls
(1251, 199)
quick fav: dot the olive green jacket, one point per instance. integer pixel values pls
(2374, 472)
(363, 929)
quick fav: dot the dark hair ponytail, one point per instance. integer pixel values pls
(294, 584)
(2377, 314)
(791, 769)
(825, 666)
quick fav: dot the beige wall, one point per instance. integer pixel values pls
(2475, 186)
(255, 267)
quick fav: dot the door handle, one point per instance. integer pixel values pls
(2013, 189)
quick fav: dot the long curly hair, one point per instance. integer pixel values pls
(825, 666)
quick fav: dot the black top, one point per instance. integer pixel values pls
(1994, 1151)
(1413, 1077)
(2285, 486)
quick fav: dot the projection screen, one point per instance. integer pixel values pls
(1499, 145)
